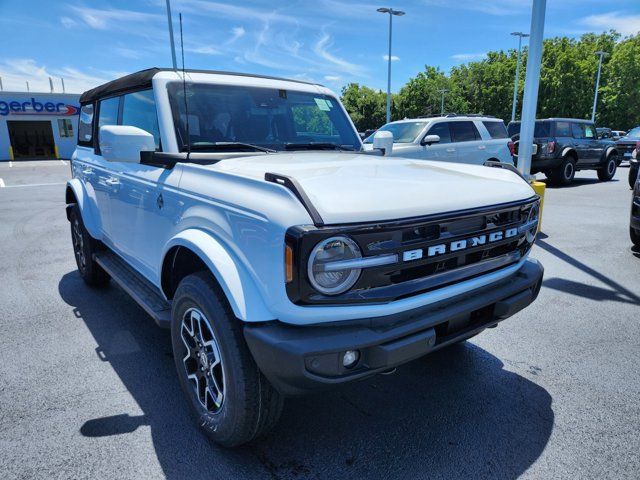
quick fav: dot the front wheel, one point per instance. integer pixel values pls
(607, 172)
(230, 399)
(84, 246)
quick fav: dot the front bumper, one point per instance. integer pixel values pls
(298, 360)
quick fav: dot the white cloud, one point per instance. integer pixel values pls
(204, 50)
(394, 58)
(332, 78)
(236, 33)
(68, 22)
(493, 7)
(622, 23)
(103, 19)
(15, 72)
(466, 57)
(321, 48)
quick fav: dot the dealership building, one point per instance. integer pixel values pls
(37, 125)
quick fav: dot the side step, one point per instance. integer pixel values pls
(140, 289)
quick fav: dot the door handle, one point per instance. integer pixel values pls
(112, 182)
(451, 150)
(482, 147)
(87, 171)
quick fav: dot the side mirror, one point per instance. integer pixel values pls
(123, 143)
(383, 140)
(429, 139)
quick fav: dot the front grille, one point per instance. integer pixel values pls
(625, 148)
(432, 252)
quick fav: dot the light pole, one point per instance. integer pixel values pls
(442, 91)
(173, 46)
(595, 97)
(391, 13)
(531, 84)
(520, 36)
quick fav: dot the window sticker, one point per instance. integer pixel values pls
(322, 104)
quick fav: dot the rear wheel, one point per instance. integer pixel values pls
(84, 246)
(607, 172)
(230, 399)
(563, 174)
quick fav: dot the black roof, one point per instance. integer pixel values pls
(142, 79)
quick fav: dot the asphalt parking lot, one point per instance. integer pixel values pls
(88, 388)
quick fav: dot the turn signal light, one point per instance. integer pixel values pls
(551, 147)
(512, 147)
(288, 263)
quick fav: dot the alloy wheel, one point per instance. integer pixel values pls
(78, 244)
(202, 360)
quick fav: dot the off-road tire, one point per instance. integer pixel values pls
(563, 174)
(635, 236)
(250, 406)
(608, 171)
(84, 246)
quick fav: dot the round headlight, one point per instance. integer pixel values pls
(328, 268)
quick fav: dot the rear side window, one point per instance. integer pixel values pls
(464, 131)
(563, 129)
(496, 129)
(139, 110)
(442, 130)
(589, 131)
(85, 125)
(577, 130)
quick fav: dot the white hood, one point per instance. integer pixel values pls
(349, 188)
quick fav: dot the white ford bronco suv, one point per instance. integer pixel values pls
(240, 212)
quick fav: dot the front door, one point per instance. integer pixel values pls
(444, 150)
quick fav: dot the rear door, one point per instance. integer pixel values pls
(497, 141)
(467, 141)
(595, 147)
(580, 144)
(444, 150)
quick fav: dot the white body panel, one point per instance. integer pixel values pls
(236, 221)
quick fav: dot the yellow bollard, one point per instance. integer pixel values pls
(55, 149)
(539, 188)
(11, 153)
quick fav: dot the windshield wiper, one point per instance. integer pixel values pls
(229, 146)
(317, 146)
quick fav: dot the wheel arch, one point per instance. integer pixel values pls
(195, 250)
(570, 152)
(75, 194)
(610, 151)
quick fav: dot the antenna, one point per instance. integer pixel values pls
(184, 92)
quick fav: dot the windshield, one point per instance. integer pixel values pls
(264, 117)
(541, 129)
(634, 132)
(404, 132)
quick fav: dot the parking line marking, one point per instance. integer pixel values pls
(10, 164)
(29, 184)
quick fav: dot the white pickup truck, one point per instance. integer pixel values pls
(241, 213)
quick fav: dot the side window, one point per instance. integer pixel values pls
(589, 132)
(563, 129)
(442, 130)
(108, 113)
(139, 110)
(577, 130)
(464, 132)
(85, 125)
(496, 129)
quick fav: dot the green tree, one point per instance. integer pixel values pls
(367, 107)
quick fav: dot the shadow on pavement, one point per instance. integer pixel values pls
(455, 413)
(577, 182)
(618, 292)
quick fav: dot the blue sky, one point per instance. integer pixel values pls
(329, 41)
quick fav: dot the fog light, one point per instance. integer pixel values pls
(350, 358)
